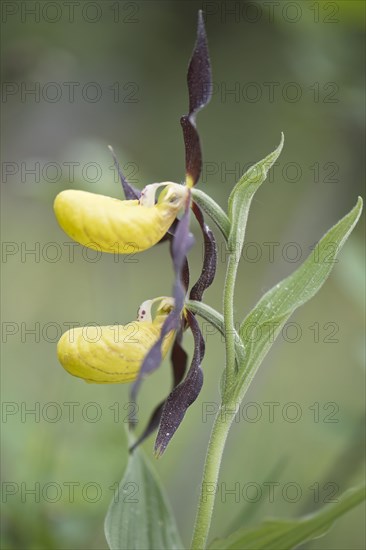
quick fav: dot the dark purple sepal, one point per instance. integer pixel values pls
(183, 240)
(199, 82)
(180, 245)
(209, 260)
(178, 359)
(184, 394)
(185, 274)
(169, 236)
(131, 193)
(154, 357)
(199, 78)
(193, 150)
(152, 425)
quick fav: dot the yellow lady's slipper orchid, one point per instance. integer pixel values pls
(116, 226)
(114, 354)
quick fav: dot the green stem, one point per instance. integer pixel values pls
(230, 332)
(215, 451)
(223, 420)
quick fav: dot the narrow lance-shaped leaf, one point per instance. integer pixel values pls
(199, 82)
(288, 534)
(241, 198)
(140, 517)
(260, 328)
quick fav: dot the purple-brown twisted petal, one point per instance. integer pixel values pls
(209, 260)
(199, 82)
(184, 394)
(178, 358)
(180, 245)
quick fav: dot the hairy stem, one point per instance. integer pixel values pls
(223, 421)
(230, 332)
(215, 451)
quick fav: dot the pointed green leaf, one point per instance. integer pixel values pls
(241, 198)
(139, 517)
(288, 534)
(261, 327)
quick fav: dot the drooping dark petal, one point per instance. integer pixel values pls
(154, 357)
(183, 240)
(185, 274)
(152, 425)
(178, 358)
(199, 82)
(131, 193)
(209, 259)
(184, 394)
(180, 245)
(169, 237)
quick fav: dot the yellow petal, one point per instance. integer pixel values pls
(115, 226)
(111, 354)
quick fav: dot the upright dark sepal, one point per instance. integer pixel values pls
(199, 82)
(184, 394)
(209, 259)
(131, 193)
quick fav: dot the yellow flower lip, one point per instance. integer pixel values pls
(115, 226)
(114, 354)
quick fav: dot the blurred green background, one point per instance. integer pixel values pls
(114, 73)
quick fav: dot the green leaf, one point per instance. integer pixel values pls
(241, 198)
(261, 327)
(287, 534)
(139, 517)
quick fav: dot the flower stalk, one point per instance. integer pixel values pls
(226, 412)
(215, 211)
(228, 308)
(211, 472)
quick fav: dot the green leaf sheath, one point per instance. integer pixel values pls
(139, 517)
(261, 327)
(288, 534)
(241, 197)
(239, 203)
